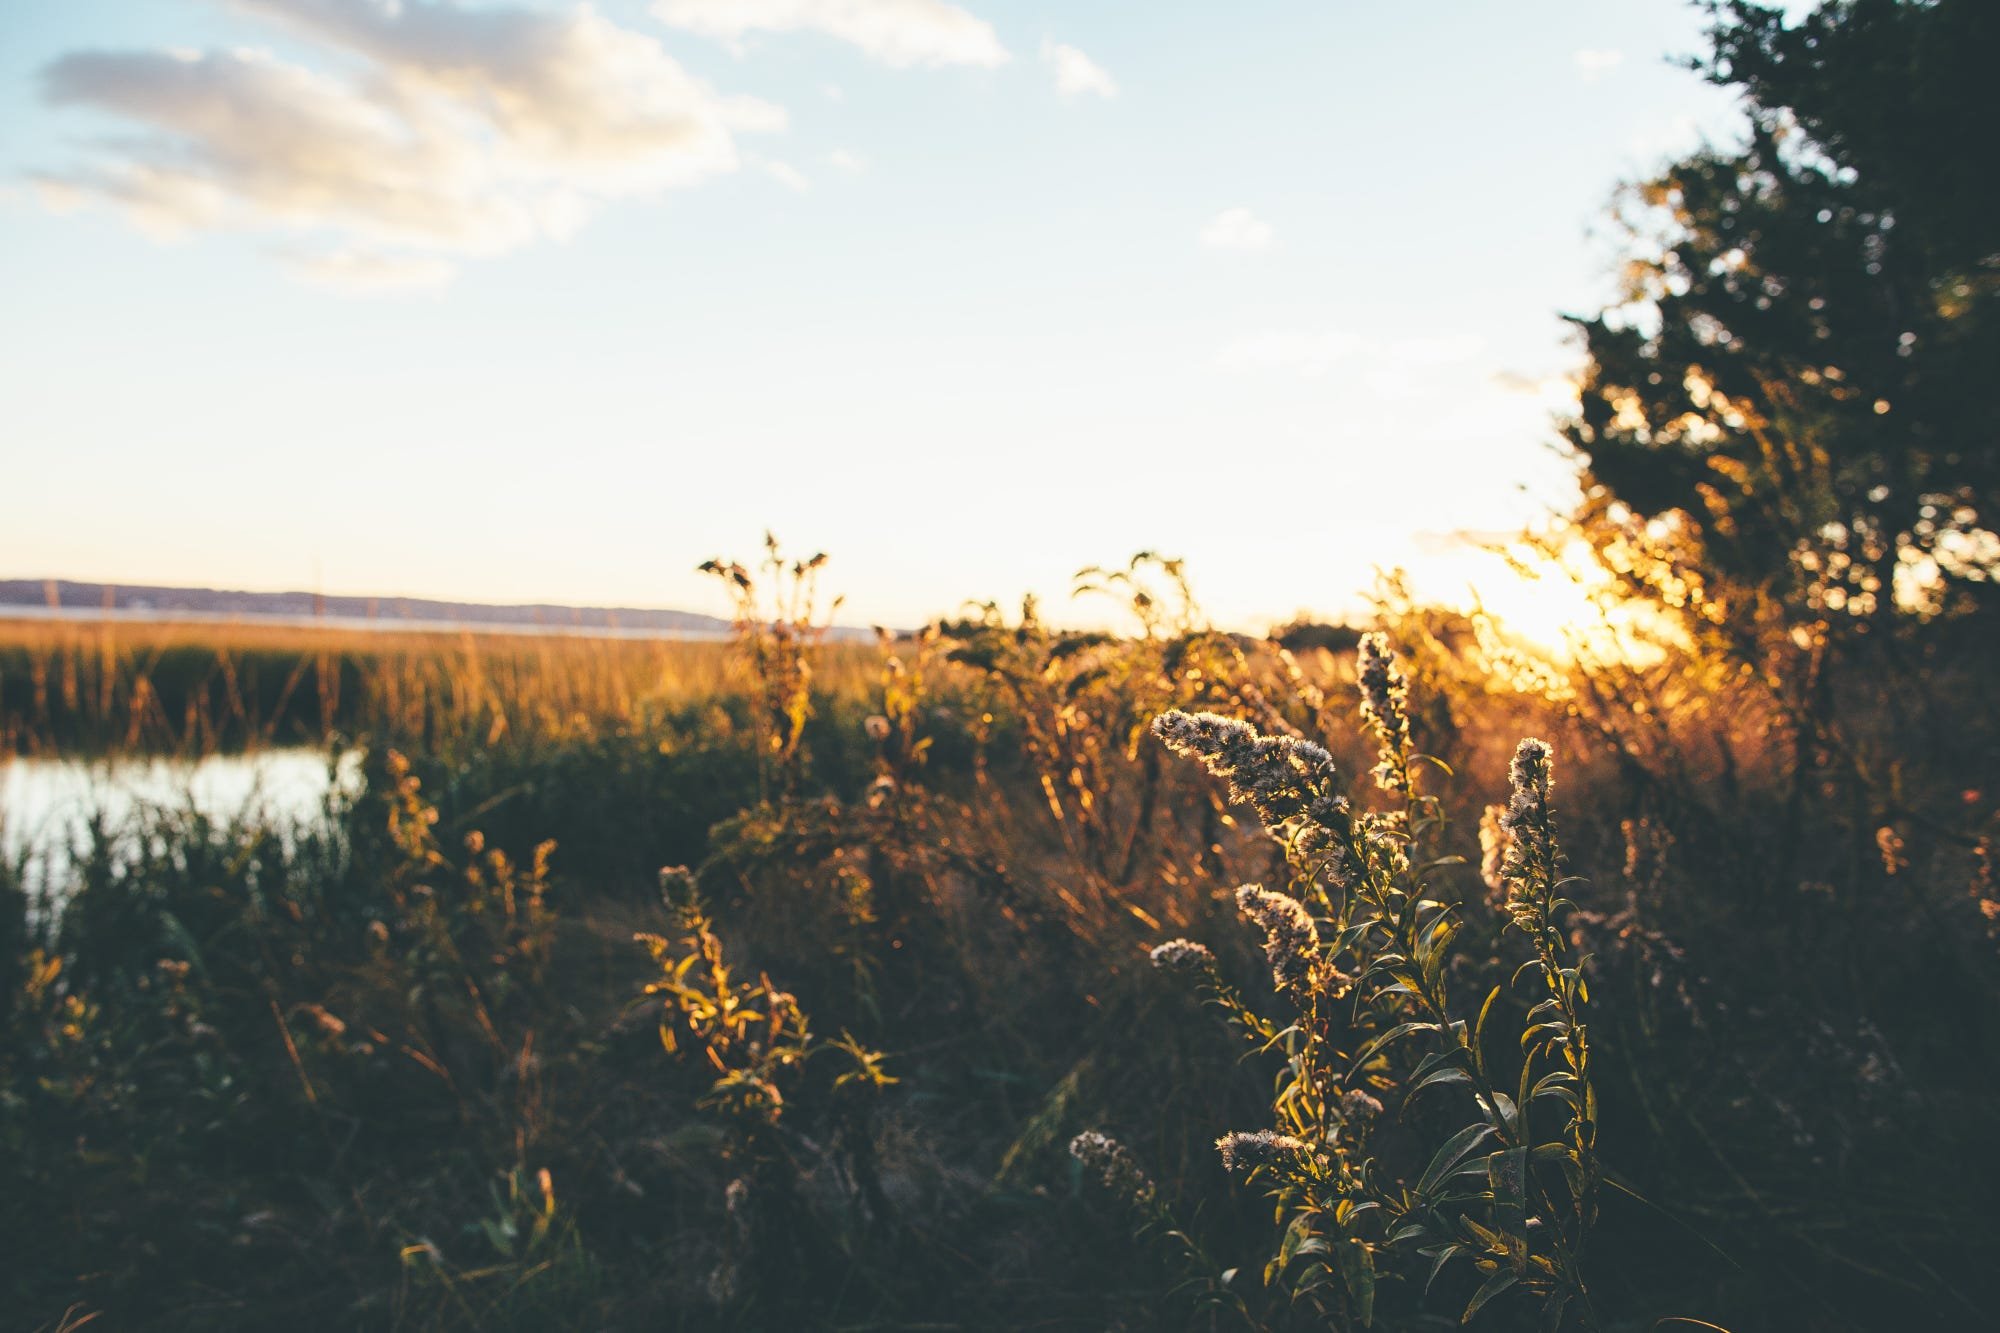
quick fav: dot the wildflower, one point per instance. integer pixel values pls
(680, 894)
(877, 728)
(1385, 699)
(1182, 956)
(1530, 867)
(1322, 838)
(1243, 1151)
(1279, 777)
(1291, 941)
(1114, 1166)
(1358, 1109)
(1530, 779)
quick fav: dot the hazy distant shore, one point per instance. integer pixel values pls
(381, 624)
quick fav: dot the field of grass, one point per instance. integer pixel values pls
(189, 688)
(461, 1057)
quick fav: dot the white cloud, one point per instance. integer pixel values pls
(1237, 229)
(846, 161)
(462, 132)
(896, 32)
(788, 176)
(1076, 73)
(1595, 64)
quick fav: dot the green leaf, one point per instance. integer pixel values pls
(1450, 1075)
(1382, 1042)
(1492, 1287)
(1479, 1030)
(1444, 1256)
(1453, 1152)
(1357, 1271)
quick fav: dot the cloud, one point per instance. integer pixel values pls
(896, 32)
(1237, 229)
(459, 131)
(846, 161)
(1596, 64)
(1076, 73)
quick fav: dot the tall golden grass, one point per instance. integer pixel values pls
(196, 688)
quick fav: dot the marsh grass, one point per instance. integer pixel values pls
(403, 1071)
(190, 689)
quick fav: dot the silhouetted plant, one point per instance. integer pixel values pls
(1359, 947)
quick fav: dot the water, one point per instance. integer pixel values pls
(46, 805)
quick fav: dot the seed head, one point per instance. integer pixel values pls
(1530, 779)
(1182, 956)
(681, 895)
(1291, 941)
(1358, 1109)
(1244, 1151)
(1280, 777)
(1385, 706)
(1114, 1166)
(1530, 862)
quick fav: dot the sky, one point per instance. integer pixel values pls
(535, 301)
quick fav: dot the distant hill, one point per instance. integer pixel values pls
(67, 599)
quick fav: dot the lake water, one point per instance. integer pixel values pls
(47, 804)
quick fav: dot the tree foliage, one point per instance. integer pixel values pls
(1791, 415)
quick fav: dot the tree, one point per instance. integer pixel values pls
(1791, 423)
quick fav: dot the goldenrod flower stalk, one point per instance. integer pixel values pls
(1182, 956)
(1277, 776)
(1290, 783)
(1291, 941)
(1114, 1166)
(1359, 1110)
(1246, 1151)
(1385, 707)
(1529, 863)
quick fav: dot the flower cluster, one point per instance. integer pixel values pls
(1291, 941)
(1528, 868)
(1286, 780)
(1385, 706)
(1114, 1166)
(1182, 956)
(1246, 1151)
(1358, 1109)
(1529, 779)
(1277, 776)
(680, 895)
